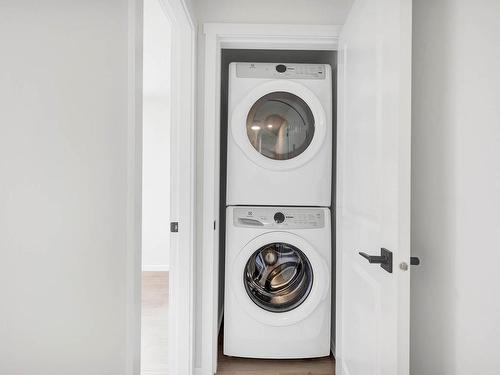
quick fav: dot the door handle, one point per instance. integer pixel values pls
(384, 259)
(414, 261)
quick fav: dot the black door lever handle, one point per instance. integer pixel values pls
(384, 259)
(374, 258)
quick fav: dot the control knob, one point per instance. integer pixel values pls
(281, 68)
(279, 217)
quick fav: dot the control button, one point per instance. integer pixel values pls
(245, 221)
(281, 68)
(279, 217)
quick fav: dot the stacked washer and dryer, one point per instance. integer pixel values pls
(278, 222)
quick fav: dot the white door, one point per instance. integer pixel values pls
(373, 201)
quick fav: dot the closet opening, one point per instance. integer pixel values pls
(281, 274)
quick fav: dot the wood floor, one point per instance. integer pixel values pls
(244, 366)
(154, 345)
(154, 350)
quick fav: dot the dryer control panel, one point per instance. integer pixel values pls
(286, 71)
(279, 217)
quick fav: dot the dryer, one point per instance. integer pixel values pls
(279, 149)
(277, 282)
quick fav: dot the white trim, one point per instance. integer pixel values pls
(182, 196)
(134, 189)
(306, 37)
(155, 268)
(216, 37)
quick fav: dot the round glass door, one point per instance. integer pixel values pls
(278, 277)
(280, 125)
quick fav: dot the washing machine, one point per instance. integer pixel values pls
(279, 149)
(277, 282)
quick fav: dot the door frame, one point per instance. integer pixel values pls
(214, 37)
(183, 184)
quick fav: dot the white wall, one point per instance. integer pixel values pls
(319, 12)
(456, 187)
(63, 189)
(156, 139)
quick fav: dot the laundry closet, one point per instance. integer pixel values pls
(304, 232)
(277, 182)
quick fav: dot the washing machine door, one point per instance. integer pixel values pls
(279, 125)
(279, 278)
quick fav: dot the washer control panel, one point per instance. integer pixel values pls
(287, 71)
(279, 217)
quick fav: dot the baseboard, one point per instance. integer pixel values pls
(155, 267)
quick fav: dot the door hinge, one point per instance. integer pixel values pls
(215, 224)
(174, 226)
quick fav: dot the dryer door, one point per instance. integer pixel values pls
(280, 278)
(279, 125)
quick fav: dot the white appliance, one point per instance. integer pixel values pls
(277, 289)
(279, 149)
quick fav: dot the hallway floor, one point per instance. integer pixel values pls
(154, 345)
